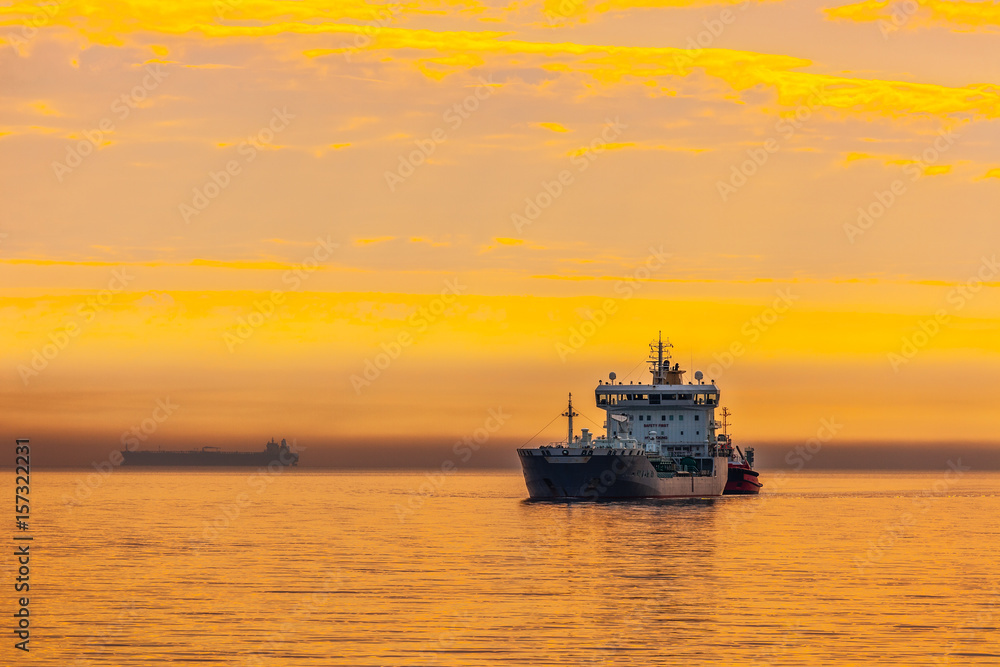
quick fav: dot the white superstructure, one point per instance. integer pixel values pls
(667, 416)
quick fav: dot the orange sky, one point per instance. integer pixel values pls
(239, 205)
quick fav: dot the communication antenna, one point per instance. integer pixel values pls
(698, 375)
(570, 412)
(659, 352)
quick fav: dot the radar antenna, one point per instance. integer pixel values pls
(659, 363)
(658, 352)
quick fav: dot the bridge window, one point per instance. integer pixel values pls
(696, 417)
(680, 417)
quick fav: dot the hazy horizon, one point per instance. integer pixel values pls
(429, 455)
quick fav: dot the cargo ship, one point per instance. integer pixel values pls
(660, 442)
(273, 453)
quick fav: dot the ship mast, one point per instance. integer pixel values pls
(725, 422)
(658, 352)
(570, 413)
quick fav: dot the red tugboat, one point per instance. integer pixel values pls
(742, 477)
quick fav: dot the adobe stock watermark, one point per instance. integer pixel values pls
(928, 328)
(257, 483)
(797, 458)
(45, 11)
(892, 533)
(785, 128)
(902, 12)
(307, 604)
(454, 116)
(223, 7)
(458, 623)
(631, 629)
(974, 633)
(385, 14)
(130, 439)
(885, 199)
(121, 108)
(564, 10)
(596, 320)
(128, 613)
(86, 313)
(463, 450)
(752, 330)
(265, 309)
(416, 324)
(541, 543)
(550, 191)
(217, 181)
(704, 39)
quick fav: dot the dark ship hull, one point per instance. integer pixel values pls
(582, 473)
(274, 454)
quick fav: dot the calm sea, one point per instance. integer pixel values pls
(325, 568)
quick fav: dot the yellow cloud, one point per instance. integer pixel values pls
(742, 70)
(438, 53)
(937, 170)
(612, 146)
(438, 68)
(554, 127)
(255, 265)
(241, 264)
(323, 150)
(561, 11)
(992, 173)
(17, 130)
(948, 12)
(42, 107)
(890, 161)
(854, 157)
(502, 241)
(373, 240)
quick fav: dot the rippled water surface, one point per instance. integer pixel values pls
(324, 568)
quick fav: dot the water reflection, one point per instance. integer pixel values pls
(321, 569)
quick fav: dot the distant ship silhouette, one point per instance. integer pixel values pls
(213, 456)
